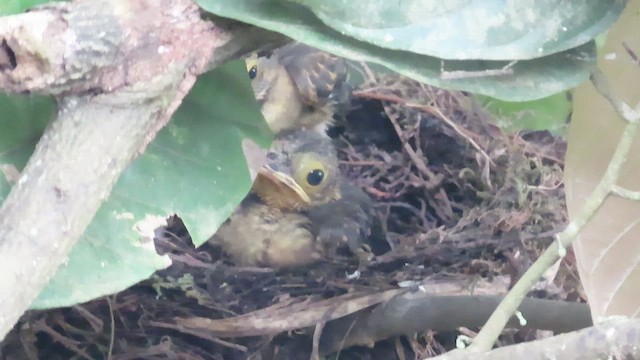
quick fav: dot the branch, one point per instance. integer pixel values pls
(416, 313)
(363, 319)
(626, 193)
(616, 339)
(119, 68)
(104, 45)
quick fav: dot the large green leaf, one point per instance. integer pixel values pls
(9, 7)
(194, 168)
(550, 113)
(468, 30)
(22, 122)
(529, 79)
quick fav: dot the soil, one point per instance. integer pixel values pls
(459, 199)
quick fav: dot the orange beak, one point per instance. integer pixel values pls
(279, 189)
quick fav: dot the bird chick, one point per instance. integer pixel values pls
(298, 86)
(300, 210)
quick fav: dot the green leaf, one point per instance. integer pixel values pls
(524, 80)
(23, 120)
(194, 168)
(550, 113)
(468, 30)
(10, 7)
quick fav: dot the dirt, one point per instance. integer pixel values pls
(456, 195)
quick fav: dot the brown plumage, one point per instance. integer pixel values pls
(300, 210)
(299, 86)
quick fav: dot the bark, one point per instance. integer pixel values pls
(415, 313)
(119, 69)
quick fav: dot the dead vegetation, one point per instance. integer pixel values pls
(465, 206)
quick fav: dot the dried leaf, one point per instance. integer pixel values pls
(607, 250)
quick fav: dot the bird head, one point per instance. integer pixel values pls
(318, 77)
(263, 72)
(301, 170)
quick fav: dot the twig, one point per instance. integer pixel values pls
(631, 53)
(63, 340)
(432, 179)
(492, 329)
(371, 77)
(625, 193)
(112, 331)
(317, 333)
(463, 74)
(366, 94)
(344, 338)
(202, 334)
(602, 86)
(614, 339)
(429, 110)
(463, 133)
(95, 322)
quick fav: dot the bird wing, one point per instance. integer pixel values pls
(350, 221)
(319, 76)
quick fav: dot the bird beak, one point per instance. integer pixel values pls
(279, 188)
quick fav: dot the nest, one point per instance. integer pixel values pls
(463, 203)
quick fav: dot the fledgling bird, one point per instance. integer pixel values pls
(300, 210)
(299, 86)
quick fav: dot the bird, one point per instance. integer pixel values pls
(300, 210)
(298, 86)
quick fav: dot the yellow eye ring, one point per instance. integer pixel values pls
(251, 63)
(310, 173)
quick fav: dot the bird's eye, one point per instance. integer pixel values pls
(315, 177)
(310, 173)
(253, 72)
